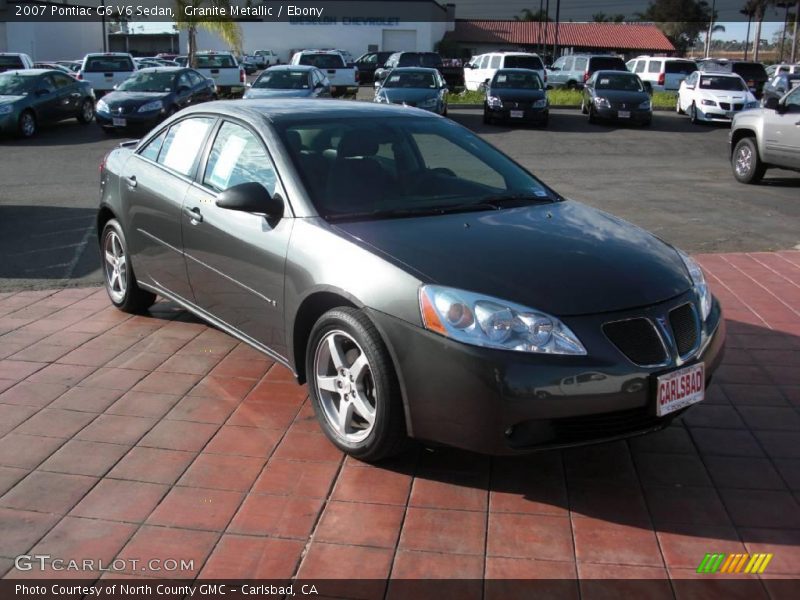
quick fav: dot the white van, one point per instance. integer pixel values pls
(480, 69)
(662, 72)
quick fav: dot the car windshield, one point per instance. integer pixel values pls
(619, 81)
(524, 62)
(718, 82)
(385, 167)
(422, 59)
(12, 84)
(214, 61)
(154, 81)
(284, 79)
(323, 61)
(108, 64)
(517, 81)
(411, 79)
(684, 67)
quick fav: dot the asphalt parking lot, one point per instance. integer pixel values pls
(672, 178)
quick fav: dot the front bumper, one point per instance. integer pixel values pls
(9, 122)
(636, 115)
(521, 115)
(133, 119)
(503, 402)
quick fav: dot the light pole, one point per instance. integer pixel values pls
(710, 28)
(555, 39)
(103, 25)
(794, 34)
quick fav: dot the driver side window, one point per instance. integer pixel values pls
(793, 101)
(237, 156)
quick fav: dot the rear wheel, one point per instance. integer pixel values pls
(572, 85)
(353, 386)
(693, 113)
(747, 165)
(86, 113)
(27, 124)
(583, 107)
(487, 120)
(678, 108)
(120, 281)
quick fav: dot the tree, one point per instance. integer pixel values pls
(602, 17)
(226, 29)
(529, 15)
(682, 21)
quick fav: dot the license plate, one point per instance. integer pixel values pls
(680, 389)
(109, 77)
(624, 114)
(117, 122)
(517, 114)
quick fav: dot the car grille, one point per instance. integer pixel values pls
(517, 105)
(605, 425)
(727, 106)
(684, 328)
(638, 340)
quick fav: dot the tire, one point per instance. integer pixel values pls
(444, 113)
(487, 120)
(86, 113)
(571, 85)
(678, 108)
(27, 125)
(746, 164)
(372, 393)
(693, 114)
(583, 107)
(592, 117)
(118, 276)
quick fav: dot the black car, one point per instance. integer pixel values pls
(516, 95)
(368, 63)
(151, 95)
(778, 86)
(617, 95)
(753, 73)
(422, 282)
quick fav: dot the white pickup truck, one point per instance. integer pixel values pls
(104, 71)
(343, 79)
(224, 70)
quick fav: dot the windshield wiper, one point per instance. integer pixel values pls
(512, 200)
(399, 213)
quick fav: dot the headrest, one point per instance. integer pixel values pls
(357, 142)
(294, 140)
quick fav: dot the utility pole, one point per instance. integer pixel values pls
(546, 27)
(555, 40)
(710, 28)
(794, 35)
(103, 25)
(540, 27)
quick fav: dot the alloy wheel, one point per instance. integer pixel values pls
(345, 386)
(744, 160)
(116, 267)
(28, 124)
(87, 111)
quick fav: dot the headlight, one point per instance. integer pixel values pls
(602, 102)
(494, 102)
(540, 103)
(645, 105)
(151, 106)
(484, 321)
(699, 282)
(102, 106)
(708, 102)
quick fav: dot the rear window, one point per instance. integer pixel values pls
(429, 60)
(108, 64)
(11, 62)
(680, 66)
(750, 71)
(323, 61)
(523, 62)
(607, 63)
(215, 61)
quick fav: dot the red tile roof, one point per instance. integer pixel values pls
(609, 36)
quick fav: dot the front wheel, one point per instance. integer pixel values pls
(353, 386)
(27, 124)
(678, 108)
(121, 285)
(693, 113)
(747, 165)
(86, 113)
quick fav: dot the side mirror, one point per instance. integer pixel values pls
(772, 103)
(253, 198)
(555, 68)
(380, 74)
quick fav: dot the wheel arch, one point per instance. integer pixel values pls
(741, 133)
(104, 215)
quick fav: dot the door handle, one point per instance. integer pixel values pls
(131, 181)
(194, 214)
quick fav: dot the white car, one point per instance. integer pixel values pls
(14, 61)
(106, 70)
(714, 96)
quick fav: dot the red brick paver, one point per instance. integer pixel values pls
(159, 437)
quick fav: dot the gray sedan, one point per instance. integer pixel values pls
(423, 283)
(290, 81)
(411, 86)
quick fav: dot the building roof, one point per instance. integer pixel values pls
(617, 36)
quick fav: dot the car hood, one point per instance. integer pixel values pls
(563, 258)
(409, 94)
(727, 96)
(509, 95)
(125, 99)
(269, 93)
(623, 96)
(10, 99)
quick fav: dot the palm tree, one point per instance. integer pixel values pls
(759, 10)
(529, 15)
(226, 29)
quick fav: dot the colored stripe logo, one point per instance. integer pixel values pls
(734, 563)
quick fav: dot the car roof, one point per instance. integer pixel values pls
(276, 110)
(517, 70)
(30, 72)
(607, 72)
(719, 73)
(108, 54)
(164, 69)
(415, 69)
(291, 68)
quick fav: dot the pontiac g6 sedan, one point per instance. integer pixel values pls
(423, 283)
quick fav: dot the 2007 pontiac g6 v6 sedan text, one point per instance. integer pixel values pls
(422, 282)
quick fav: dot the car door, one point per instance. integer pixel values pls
(202, 90)
(47, 104)
(69, 95)
(236, 259)
(782, 132)
(153, 185)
